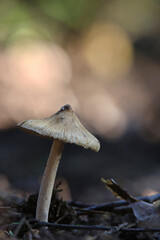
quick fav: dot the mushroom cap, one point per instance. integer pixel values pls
(65, 126)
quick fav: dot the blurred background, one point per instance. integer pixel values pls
(103, 58)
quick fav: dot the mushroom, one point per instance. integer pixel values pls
(63, 127)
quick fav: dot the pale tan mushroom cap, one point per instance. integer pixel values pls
(65, 126)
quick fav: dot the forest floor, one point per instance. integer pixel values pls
(120, 219)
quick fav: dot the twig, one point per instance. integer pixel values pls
(111, 205)
(151, 198)
(39, 224)
(118, 191)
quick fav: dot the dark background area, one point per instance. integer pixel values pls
(129, 160)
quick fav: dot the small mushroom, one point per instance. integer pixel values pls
(63, 127)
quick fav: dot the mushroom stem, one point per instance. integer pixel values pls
(47, 184)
